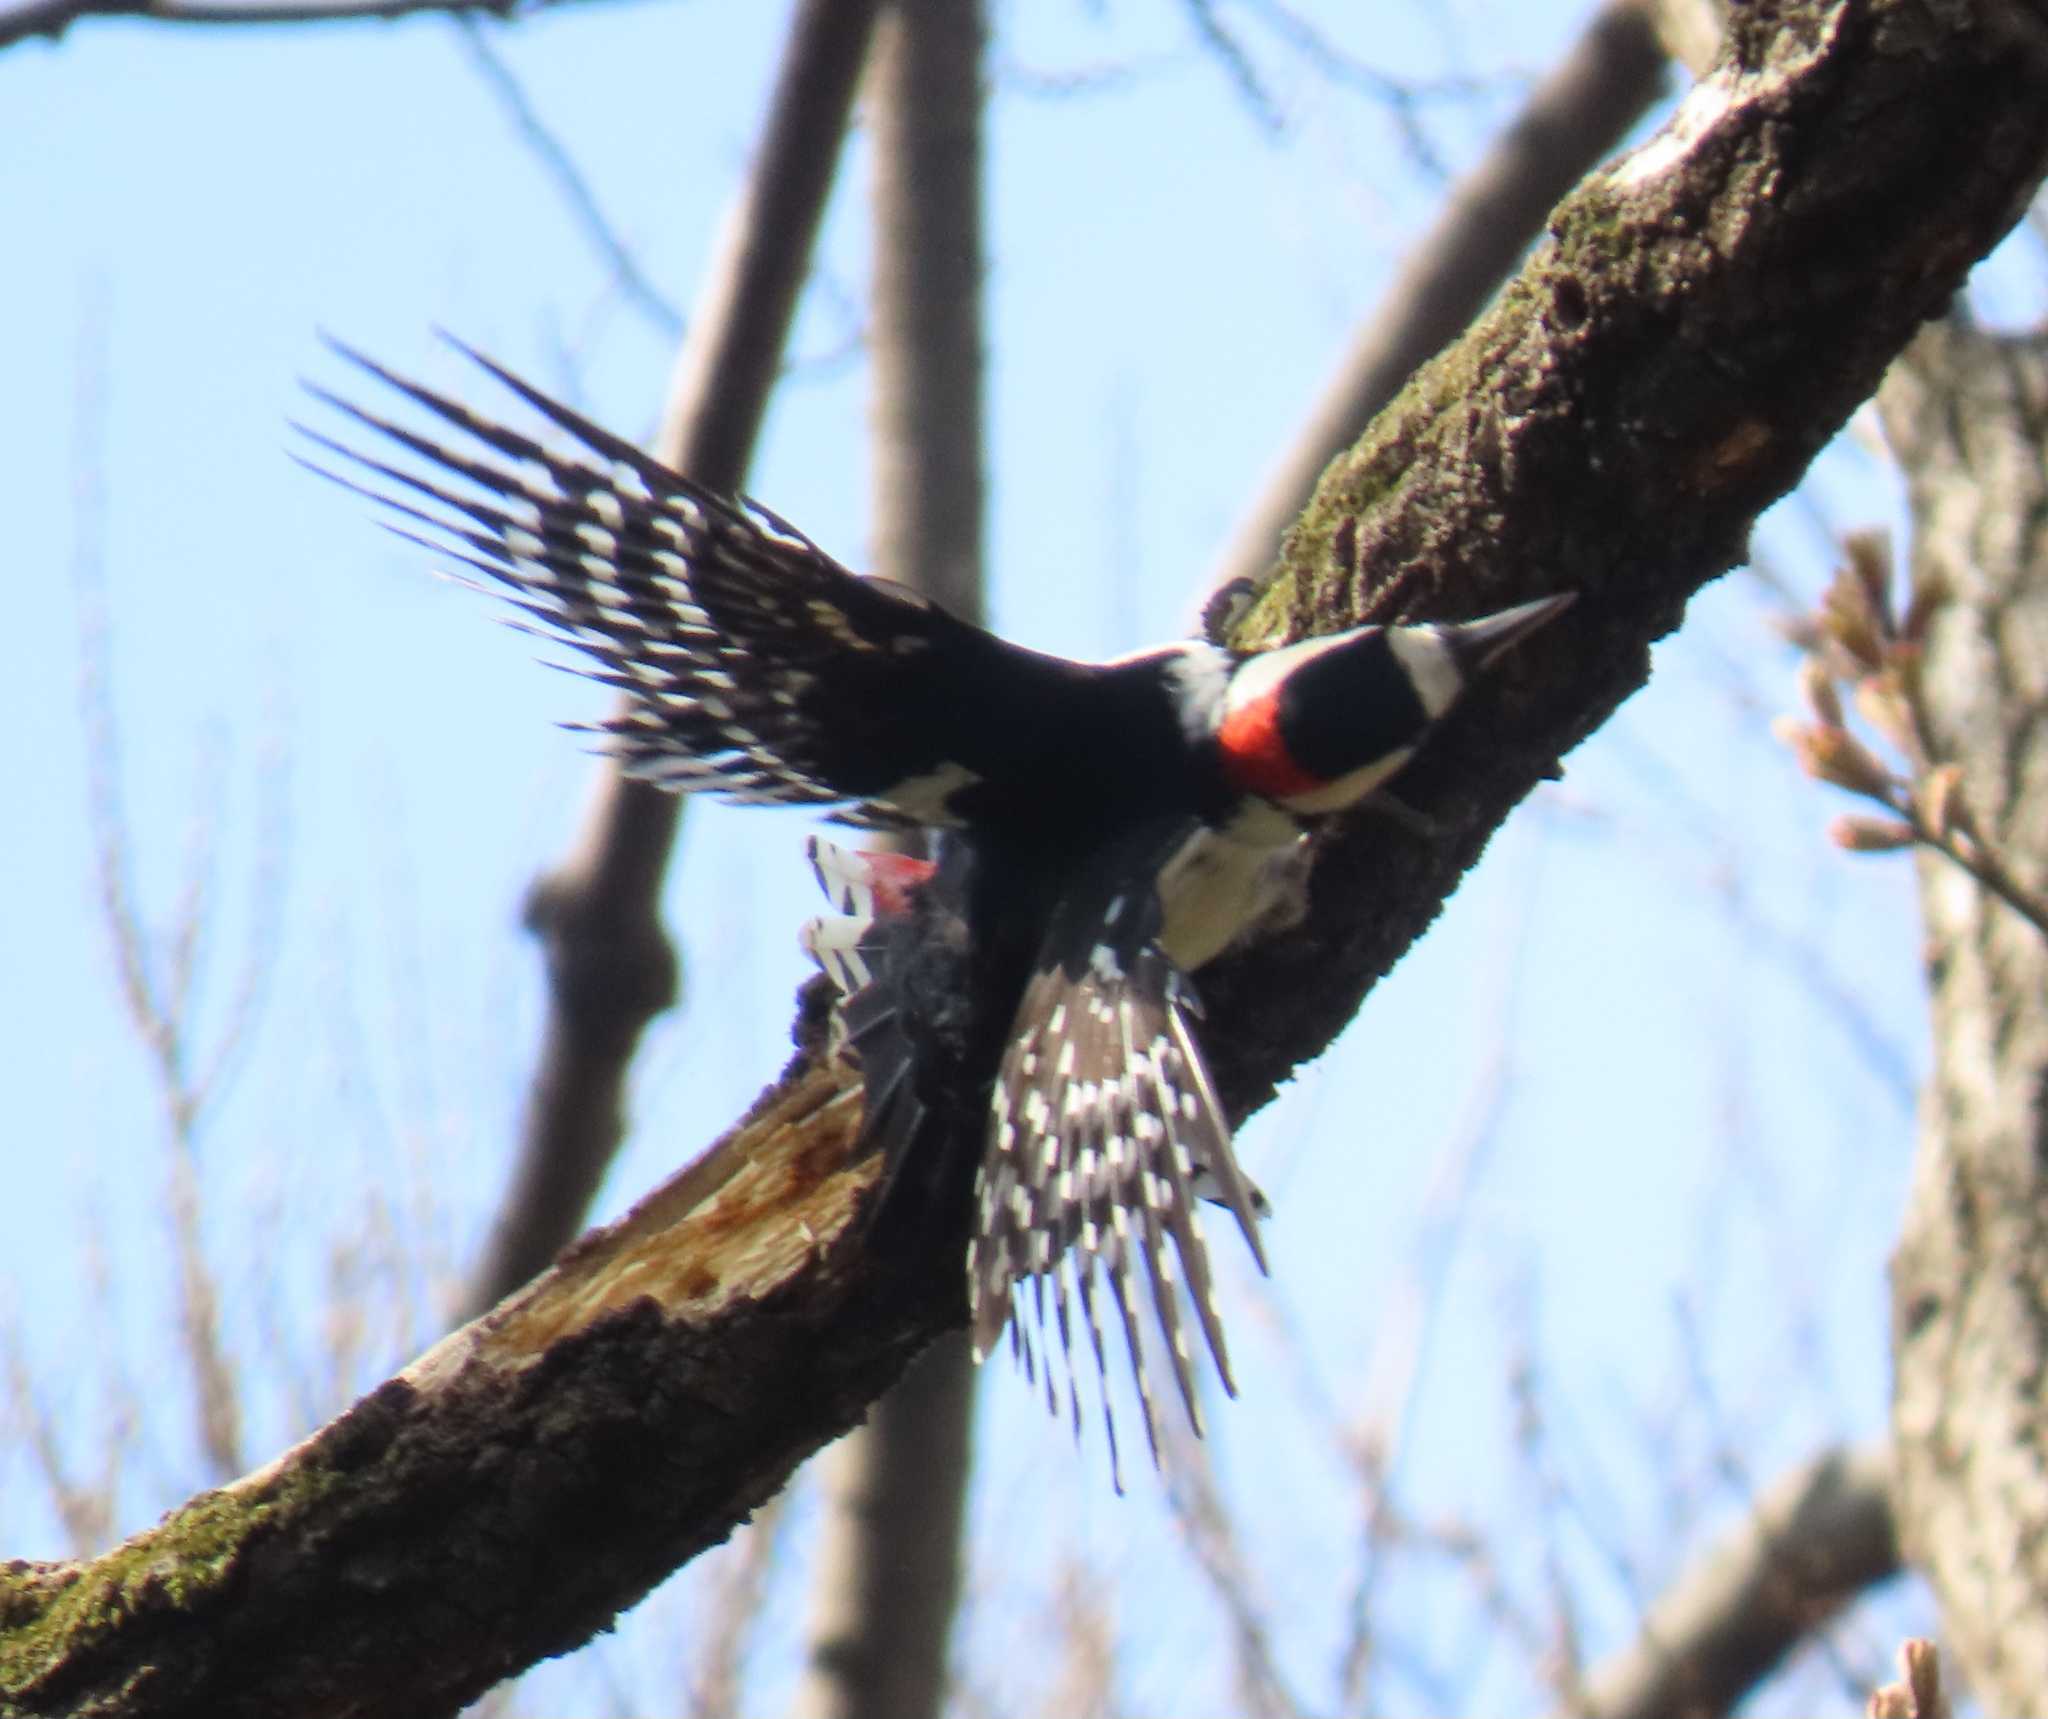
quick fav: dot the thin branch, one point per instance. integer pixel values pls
(269, 881)
(1236, 61)
(155, 973)
(554, 157)
(1084, 1611)
(1068, 83)
(185, 945)
(1406, 1332)
(1918, 1694)
(86, 1511)
(1403, 98)
(717, 1688)
(1320, 50)
(216, 1383)
(51, 18)
(1543, 1480)
(1858, 638)
(1981, 860)
(1210, 1533)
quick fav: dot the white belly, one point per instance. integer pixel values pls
(1227, 882)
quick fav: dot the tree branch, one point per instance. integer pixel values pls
(1966, 416)
(1707, 316)
(32, 18)
(576, 192)
(1810, 1544)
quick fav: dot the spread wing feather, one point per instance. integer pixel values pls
(754, 665)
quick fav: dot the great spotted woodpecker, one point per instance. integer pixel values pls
(1107, 828)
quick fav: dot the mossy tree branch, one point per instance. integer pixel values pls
(1706, 316)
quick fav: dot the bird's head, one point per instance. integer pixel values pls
(1317, 726)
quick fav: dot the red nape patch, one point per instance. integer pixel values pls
(895, 878)
(1255, 758)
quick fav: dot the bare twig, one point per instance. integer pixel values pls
(1404, 99)
(1471, 1554)
(1858, 639)
(1845, 1008)
(1545, 1482)
(86, 1510)
(1084, 1609)
(1406, 1333)
(215, 1382)
(268, 882)
(1210, 1533)
(1732, 1471)
(1237, 64)
(733, 1615)
(156, 972)
(554, 157)
(52, 18)
(1066, 83)
(1918, 1694)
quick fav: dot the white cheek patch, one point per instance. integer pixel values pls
(1432, 668)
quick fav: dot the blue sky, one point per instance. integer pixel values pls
(1710, 1023)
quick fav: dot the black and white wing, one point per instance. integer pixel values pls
(1106, 1134)
(755, 665)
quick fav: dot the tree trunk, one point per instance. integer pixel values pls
(1967, 415)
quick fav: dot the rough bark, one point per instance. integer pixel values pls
(1967, 415)
(611, 967)
(886, 1580)
(1707, 315)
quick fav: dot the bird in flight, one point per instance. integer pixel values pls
(1104, 830)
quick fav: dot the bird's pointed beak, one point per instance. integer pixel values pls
(1479, 644)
